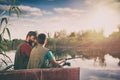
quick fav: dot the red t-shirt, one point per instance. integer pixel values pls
(22, 56)
(26, 49)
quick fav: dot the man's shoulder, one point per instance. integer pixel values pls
(25, 45)
(22, 43)
(46, 49)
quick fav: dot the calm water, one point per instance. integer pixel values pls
(99, 68)
(95, 70)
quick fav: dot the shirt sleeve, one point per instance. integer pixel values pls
(50, 55)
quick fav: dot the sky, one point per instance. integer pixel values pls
(70, 15)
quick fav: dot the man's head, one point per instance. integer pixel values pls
(31, 36)
(42, 38)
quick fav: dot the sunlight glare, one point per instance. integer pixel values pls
(106, 18)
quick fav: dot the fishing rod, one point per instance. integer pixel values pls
(68, 58)
(67, 63)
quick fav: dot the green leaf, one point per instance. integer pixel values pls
(4, 61)
(6, 56)
(4, 40)
(0, 38)
(8, 33)
(15, 9)
(10, 10)
(1, 47)
(4, 20)
(8, 67)
(18, 11)
(3, 31)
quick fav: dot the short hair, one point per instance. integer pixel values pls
(32, 33)
(41, 38)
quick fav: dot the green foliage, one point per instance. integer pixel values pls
(14, 9)
(89, 41)
(4, 21)
(15, 43)
(8, 67)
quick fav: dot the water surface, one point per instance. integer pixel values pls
(96, 68)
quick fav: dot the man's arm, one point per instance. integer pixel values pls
(52, 59)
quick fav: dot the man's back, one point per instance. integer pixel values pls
(37, 57)
(41, 56)
(22, 56)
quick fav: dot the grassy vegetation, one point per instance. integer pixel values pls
(4, 43)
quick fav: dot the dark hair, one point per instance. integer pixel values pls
(32, 33)
(41, 38)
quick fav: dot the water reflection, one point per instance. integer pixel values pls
(99, 67)
(91, 60)
(93, 66)
(87, 74)
(109, 63)
(116, 55)
(100, 60)
(99, 57)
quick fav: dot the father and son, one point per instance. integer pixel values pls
(32, 53)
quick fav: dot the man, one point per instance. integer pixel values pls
(41, 56)
(23, 51)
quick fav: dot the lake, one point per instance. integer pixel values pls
(106, 67)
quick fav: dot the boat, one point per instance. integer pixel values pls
(42, 74)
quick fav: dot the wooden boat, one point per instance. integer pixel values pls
(42, 74)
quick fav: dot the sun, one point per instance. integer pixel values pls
(105, 18)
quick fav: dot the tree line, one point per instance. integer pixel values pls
(76, 43)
